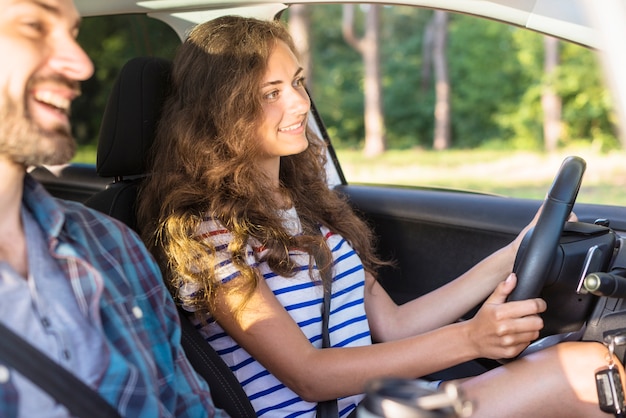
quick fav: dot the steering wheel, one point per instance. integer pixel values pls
(533, 263)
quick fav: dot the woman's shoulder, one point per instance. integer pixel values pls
(213, 231)
(210, 224)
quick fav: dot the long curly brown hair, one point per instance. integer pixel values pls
(203, 164)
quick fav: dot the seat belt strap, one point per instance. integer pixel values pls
(80, 400)
(327, 409)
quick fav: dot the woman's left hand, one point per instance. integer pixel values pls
(518, 240)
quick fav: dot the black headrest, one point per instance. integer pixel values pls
(130, 117)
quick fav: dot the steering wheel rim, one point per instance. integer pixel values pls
(533, 263)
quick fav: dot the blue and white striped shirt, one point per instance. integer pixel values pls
(302, 298)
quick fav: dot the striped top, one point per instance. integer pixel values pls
(302, 298)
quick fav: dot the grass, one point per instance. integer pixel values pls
(520, 174)
(85, 154)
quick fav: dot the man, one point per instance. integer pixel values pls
(75, 284)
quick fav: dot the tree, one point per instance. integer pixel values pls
(550, 101)
(368, 47)
(491, 70)
(110, 42)
(441, 138)
(299, 24)
(496, 70)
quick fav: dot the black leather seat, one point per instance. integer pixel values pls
(126, 134)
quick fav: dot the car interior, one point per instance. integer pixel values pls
(128, 129)
(421, 229)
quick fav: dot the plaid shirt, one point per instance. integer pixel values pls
(118, 287)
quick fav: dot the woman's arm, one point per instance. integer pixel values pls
(444, 305)
(270, 335)
(440, 307)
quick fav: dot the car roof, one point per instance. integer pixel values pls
(561, 18)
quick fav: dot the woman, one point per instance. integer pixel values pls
(239, 214)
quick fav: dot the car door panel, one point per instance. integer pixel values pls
(72, 182)
(436, 235)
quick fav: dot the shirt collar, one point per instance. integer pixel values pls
(43, 207)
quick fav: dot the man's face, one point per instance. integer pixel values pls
(42, 66)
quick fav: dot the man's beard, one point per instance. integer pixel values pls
(24, 142)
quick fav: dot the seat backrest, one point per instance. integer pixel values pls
(127, 131)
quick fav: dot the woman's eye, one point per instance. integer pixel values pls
(299, 82)
(271, 95)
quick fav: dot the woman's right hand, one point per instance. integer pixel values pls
(502, 329)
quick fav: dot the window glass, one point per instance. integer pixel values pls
(505, 90)
(110, 41)
(497, 84)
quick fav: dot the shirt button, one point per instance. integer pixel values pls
(4, 374)
(137, 312)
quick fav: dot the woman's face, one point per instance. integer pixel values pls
(285, 106)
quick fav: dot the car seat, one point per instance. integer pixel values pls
(127, 131)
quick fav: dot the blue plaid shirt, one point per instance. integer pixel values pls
(118, 286)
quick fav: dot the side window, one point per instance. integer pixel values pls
(110, 42)
(498, 84)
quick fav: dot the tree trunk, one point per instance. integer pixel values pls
(427, 56)
(442, 137)
(550, 101)
(374, 125)
(368, 47)
(299, 24)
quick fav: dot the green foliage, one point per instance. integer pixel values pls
(338, 75)
(486, 79)
(580, 85)
(496, 74)
(110, 42)
(496, 79)
(408, 103)
(586, 105)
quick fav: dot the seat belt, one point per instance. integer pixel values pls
(329, 408)
(226, 391)
(79, 399)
